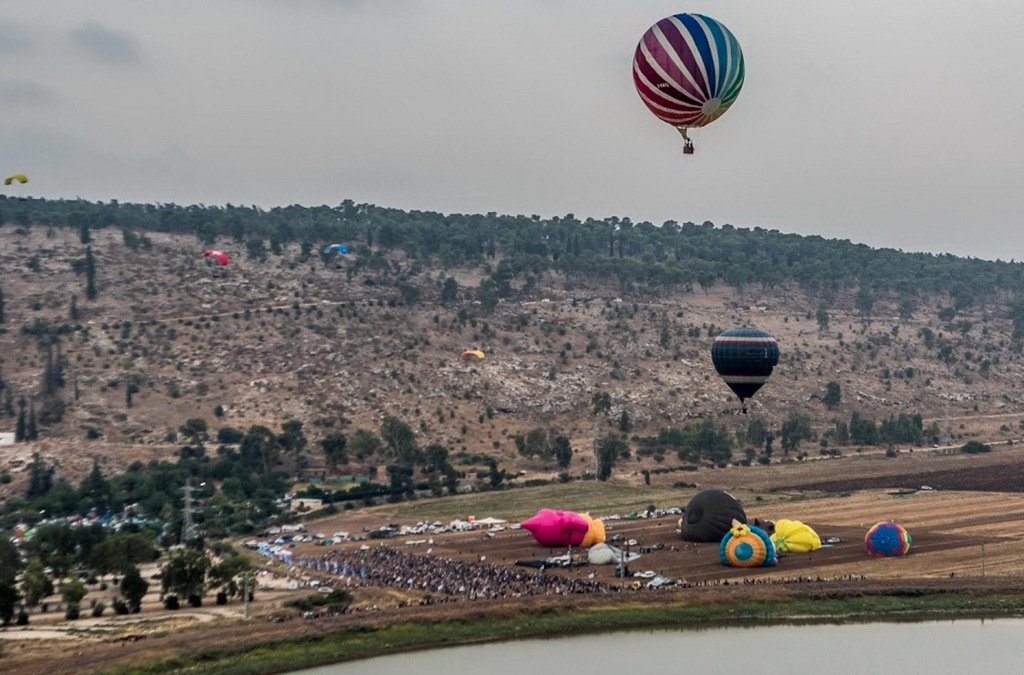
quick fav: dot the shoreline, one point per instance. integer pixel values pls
(344, 638)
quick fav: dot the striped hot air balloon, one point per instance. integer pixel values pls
(744, 359)
(688, 69)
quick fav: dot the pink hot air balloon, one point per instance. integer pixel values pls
(557, 528)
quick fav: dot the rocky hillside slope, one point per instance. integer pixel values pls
(265, 341)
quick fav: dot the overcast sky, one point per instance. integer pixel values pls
(895, 124)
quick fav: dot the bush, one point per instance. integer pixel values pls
(73, 612)
(975, 447)
(229, 435)
(97, 609)
(171, 602)
(336, 601)
(119, 606)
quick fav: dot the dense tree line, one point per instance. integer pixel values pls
(250, 478)
(640, 254)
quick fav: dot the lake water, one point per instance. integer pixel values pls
(964, 647)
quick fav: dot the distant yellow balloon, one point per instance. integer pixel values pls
(792, 536)
(18, 177)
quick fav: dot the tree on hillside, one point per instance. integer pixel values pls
(31, 427)
(90, 274)
(823, 317)
(185, 575)
(449, 291)
(795, 430)
(865, 300)
(133, 588)
(334, 447)
(701, 440)
(10, 560)
(72, 591)
(863, 431)
(259, 448)
(608, 451)
(400, 477)
(122, 551)
(95, 490)
(435, 458)
(194, 429)
(495, 476)
(20, 426)
(399, 440)
(364, 444)
(291, 439)
(756, 432)
(8, 600)
(975, 447)
(40, 477)
(35, 585)
(833, 395)
(227, 575)
(562, 450)
(536, 443)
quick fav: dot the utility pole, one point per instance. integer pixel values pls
(188, 528)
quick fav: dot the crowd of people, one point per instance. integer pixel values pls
(443, 577)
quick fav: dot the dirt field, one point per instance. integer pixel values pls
(967, 538)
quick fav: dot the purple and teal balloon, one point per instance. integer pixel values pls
(887, 539)
(688, 70)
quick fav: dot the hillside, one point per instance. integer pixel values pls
(337, 346)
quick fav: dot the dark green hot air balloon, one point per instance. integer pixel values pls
(744, 358)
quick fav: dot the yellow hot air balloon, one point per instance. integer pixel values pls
(595, 531)
(793, 536)
(16, 178)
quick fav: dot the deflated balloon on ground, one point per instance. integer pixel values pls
(709, 516)
(746, 546)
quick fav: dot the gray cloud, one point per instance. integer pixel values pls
(22, 92)
(112, 46)
(13, 38)
(878, 131)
